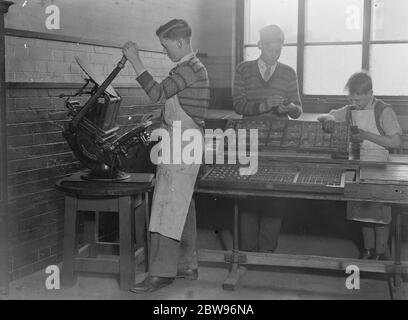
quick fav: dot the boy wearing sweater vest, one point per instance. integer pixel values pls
(265, 87)
(378, 129)
(186, 94)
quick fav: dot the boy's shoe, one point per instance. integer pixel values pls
(367, 254)
(151, 284)
(188, 274)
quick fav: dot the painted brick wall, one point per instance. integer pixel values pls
(35, 60)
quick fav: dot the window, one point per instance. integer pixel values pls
(389, 47)
(333, 44)
(339, 37)
(334, 20)
(389, 20)
(327, 68)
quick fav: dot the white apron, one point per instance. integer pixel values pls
(367, 211)
(174, 182)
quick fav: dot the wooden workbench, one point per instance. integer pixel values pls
(385, 182)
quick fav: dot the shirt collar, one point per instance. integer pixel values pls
(265, 65)
(370, 105)
(186, 58)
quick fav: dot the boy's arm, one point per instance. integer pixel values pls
(389, 123)
(335, 115)
(183, 76)
(294, 109)
(393, 141)
(240, 100)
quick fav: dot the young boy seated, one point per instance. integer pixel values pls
(375, 127)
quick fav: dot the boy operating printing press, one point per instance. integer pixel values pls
(374, 128)
(186, 95)
(265, 87)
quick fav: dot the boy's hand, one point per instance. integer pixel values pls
(131, 51)
(359, 137)
(274, 101)
(282, 109)
(327, 124)
(271, 103)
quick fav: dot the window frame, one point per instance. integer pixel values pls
(301, 44)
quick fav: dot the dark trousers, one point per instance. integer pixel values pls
(376, 236)
(168, 255)
(260, 223)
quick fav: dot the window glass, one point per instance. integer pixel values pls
(327, 68)
(389, 69)
(389, 20)
(261, 13)
(334, 20)
(288, 56)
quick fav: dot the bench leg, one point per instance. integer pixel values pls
(68, 276)
(236, 271)
(127, 243)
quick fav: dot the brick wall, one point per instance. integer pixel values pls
(36, 60)
(38, 70)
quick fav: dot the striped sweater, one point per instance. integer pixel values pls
(189, 81)
(250, 89)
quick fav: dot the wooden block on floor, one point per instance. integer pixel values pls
(233, 278)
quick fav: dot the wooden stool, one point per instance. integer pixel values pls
(122, 197)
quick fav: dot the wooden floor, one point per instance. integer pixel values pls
(259, 284)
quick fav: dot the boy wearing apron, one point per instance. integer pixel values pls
(186, 94)
(378, 129)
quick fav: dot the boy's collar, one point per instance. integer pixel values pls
(370, 104)
(261, 61)
(186, 58)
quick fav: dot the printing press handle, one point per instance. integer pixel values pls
(89, 104)
(121, 63)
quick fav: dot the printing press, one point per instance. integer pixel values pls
(92, 132)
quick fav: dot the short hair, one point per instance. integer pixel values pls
(359, 83)
(175, 29)
(272, 33)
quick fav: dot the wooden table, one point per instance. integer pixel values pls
(375, 182)
(96, 196)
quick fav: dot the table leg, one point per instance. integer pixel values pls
(69, 250)
(4, 252)
(399, 290)
(147, 215)
(127, 243)
(236, 272)
(398, 230)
